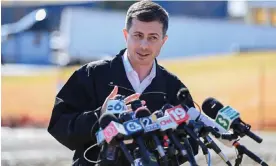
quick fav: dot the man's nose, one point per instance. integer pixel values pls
(144, 44)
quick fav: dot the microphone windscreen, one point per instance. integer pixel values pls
(125, 116)
(119, 97)
(142, 112)
(165, 107)
(211, 106)
(106, 118)
(182, 94)
(158, 114)
(136, 104)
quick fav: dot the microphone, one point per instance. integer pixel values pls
(203, 131)
(212, 145)
(114, 134)
(100, 137)
(125, 116)
(243, 150)
(135, 130)
(170, 148)
(138, 160)
(211, 103)
(223, 136)
(227, 117)
(116, 105)
(196, 115)
(135, 104)
(179, 115)
(151, 129)
(167, 124)
(108, 153)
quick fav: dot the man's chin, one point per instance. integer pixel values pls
(145, 62)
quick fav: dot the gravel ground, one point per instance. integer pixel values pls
(35, 147)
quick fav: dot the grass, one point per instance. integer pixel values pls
(244, 81)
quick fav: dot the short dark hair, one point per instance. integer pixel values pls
(147, 11)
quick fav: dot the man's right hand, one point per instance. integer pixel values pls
(113, 94)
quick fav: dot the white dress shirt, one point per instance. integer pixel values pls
(133, 78)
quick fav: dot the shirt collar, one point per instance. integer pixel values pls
(129, 68)
(127, 64)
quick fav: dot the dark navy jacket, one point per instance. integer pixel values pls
(76, 110)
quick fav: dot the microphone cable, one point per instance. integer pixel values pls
(84, 154)
(91, 161)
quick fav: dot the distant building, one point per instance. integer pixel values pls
(262, 12)
(13, 10)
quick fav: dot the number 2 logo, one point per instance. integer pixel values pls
(146, 121)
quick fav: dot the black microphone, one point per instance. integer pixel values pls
(193, 135)
(125, 116)
(243, 150)
(228, 118)
(135, 130)
(108, 153)
(119, 97)
(203, 131)
(212, 145)
(151, 128)
(183, 94)
(114, 134)
(199, 126)
(208, 105)
(173, 157)
(168, 125)
(135, 104)
(183, 97)
(165, 107)
(138, 160)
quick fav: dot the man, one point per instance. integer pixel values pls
(134, 72)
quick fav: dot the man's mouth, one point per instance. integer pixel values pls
(143, 55)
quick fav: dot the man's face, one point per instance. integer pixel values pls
(144, 41)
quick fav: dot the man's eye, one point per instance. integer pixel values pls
(153, 38)
(138, 36)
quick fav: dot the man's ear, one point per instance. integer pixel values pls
(165, 38)
(125, 32)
